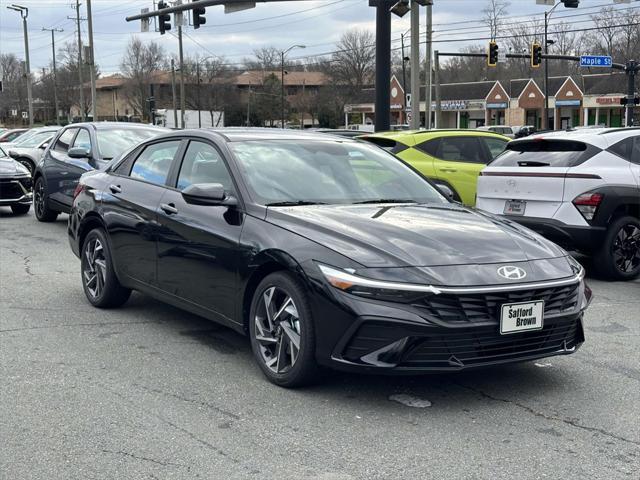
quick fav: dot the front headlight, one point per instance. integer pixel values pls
(376, 289)
(576, 267)
(22, 170)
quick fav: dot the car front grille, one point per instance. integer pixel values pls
(10, 188)
(438, 348)
(486, 307)
(485, 345)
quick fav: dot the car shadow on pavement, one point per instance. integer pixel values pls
(530, 379)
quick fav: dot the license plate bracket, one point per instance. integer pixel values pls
(521, 317)
(515, 207)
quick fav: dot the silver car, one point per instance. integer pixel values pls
(28, 150)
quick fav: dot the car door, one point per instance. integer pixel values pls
(458, 162)
(198, 244)
(75, 167)
(56, 168)
(130, 204)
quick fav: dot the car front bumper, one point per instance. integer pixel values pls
(448, 333)
(15, 191)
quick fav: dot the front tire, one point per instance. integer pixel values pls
(99, 281)
(20, 209)
(282, 333)
(619, 256)
(41, 204)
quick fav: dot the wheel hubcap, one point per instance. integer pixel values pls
(626, 248)
(277, 330)
(94, 272)
(39, 198)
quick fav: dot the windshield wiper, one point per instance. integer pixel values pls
(385, 200)
(533, 163)
(294, 203)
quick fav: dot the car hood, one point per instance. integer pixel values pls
(414, 235)
(9, 167)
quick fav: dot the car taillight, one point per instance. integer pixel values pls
(588, 204)
(79, 189)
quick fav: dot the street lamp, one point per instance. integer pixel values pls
(24, 13)
(547, 42)
(282, 55)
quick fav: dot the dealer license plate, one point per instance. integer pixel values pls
(514, 207)
(521, 317)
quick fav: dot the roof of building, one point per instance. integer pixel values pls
(257, 77)
(603, 84)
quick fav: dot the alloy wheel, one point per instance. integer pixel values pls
(38, 198)
(626, 248)
(95, 269)
(277, 330)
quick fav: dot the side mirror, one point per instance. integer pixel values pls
(44, 146)
(79, 152)
(446, 191)
(207, 194)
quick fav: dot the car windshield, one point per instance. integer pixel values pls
(34, 140)
(290, 172)
(114, 141)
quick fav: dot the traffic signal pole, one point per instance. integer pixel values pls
(383, 65)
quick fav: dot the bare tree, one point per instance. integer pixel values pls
(607, 24)
(141, 62)
(265, 58)
(14, 96)
(494, 13)
(353, 63)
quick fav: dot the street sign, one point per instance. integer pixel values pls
(603, 61)
(25, 115)
(502, 56)
(238, 7)
(144, 25)
(14, 112)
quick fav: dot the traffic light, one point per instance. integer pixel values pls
(198, 17)
(571, 3)
(536, 55)
(492, 59)
(164, 20)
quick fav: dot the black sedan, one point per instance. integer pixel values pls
(76, 149)
(326, 252)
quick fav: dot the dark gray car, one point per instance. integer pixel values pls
(77, 149)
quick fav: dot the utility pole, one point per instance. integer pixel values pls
(173, 93)
(415, 65)
(198, 80)
(404, 76)
(182, 98)
(428, 62)
(631, 69)
(92, 64)
(55, 71)
(436, 57)
(77, 19)
(24, 13)
(249, 107)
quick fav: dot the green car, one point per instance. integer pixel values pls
(450, 158)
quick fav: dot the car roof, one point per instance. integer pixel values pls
(240, 134)
(601, 137)
(119, 125)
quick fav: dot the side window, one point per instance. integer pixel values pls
(635, 152)
(623, 148)
(460, 149)
(495, 146)
(63, 142)
(154, 163)
(203, 164)
(83, 139)
(430, 147)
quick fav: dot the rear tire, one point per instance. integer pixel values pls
(619, 256)
(21, 209)
(99, 280)
(41, 203)
(274, 334)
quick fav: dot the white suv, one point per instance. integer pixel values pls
(581, 189)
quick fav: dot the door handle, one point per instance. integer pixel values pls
(449, 170)
(169, 209)
(115, 188)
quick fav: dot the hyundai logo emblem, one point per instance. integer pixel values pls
(512, 273)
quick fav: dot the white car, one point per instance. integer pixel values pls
(580, 189)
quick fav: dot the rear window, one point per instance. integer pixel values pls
(545, 153)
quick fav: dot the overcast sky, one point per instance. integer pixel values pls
(317, 24)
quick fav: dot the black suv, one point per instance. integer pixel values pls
(76, 149)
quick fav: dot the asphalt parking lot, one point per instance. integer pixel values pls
(148, 391)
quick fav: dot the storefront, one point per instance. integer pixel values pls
(527, 103)
(605, 110)
(567, 106)
(497, 103)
